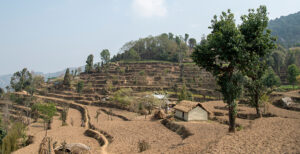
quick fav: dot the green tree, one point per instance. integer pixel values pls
(36, 83)
(89, 64)
(105, 56)
(293, 72)
(47, 111)
(221, 54)
(192, 43)
(259, 43)
(2, 92)
(11, 141)
(171, 36)
(133, 55)
(184, 94)
(79, 86)
(178, 40)
(98, 67)
(67, 79)
(270, 79)
(276, 60)
(186, 37)
(20, 80)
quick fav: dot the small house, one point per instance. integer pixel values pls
(190, 111)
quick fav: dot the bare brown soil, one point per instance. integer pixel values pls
(279, 134)
(59, 133)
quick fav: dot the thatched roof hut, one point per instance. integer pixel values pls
(189, 110)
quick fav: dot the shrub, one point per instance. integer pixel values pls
(123, 97)
(143, 145)
(10, 142)
(64, 115)
(79, 86)
(142, 73)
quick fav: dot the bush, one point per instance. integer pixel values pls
(79, 86)
(123, 97)
(11, 142)
(143, 146)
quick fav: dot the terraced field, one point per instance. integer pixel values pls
(123, 130)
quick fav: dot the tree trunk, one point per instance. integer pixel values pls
(232, 116)
(258, 113)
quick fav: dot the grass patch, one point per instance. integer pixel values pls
(287, 88)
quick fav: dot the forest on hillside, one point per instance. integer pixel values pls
(167, 47)
(287, 29)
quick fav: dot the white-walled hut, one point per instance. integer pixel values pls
(190, 111)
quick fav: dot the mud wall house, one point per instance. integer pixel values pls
(190, 111)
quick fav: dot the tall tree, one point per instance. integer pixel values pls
(270, 79)
(1, 95)
(105, 56)
(171, 36)
(89, 64)
(36, 83)
(276, 60)
(186, 37)
(293, 72)
(259, 44)
(20, 80)
(221, 54)
(67, 79)
(192, 42)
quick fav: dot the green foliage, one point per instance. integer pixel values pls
(131, 55)
(258, 45)
(79, 86)
(162, 47)
(286, 28)
(123, 97)
(142, 73)
(36, 83)
(230, 50)
(284, 88)
(64, 115)
(150, 102)
(21, 80)
(192, 42)
(89, 64)
(2, 131)
(97, 67)
(293, 72)
(46, 110)
(184, 94)
(105, 56)
(11, 142)
(67, 79)
(276, 60)
(2, 92)
(270, 79)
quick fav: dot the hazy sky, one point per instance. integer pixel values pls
(50, 35)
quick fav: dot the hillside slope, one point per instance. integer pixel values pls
(287, 29)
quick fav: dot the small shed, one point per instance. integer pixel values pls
(190, 111)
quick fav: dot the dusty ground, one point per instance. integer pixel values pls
(70, 134)
(267, 135)
(280, 134)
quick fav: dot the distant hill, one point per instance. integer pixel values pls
(287, 29)
(5, 79)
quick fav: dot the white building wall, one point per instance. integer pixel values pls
(197, 114)
(178, 114)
